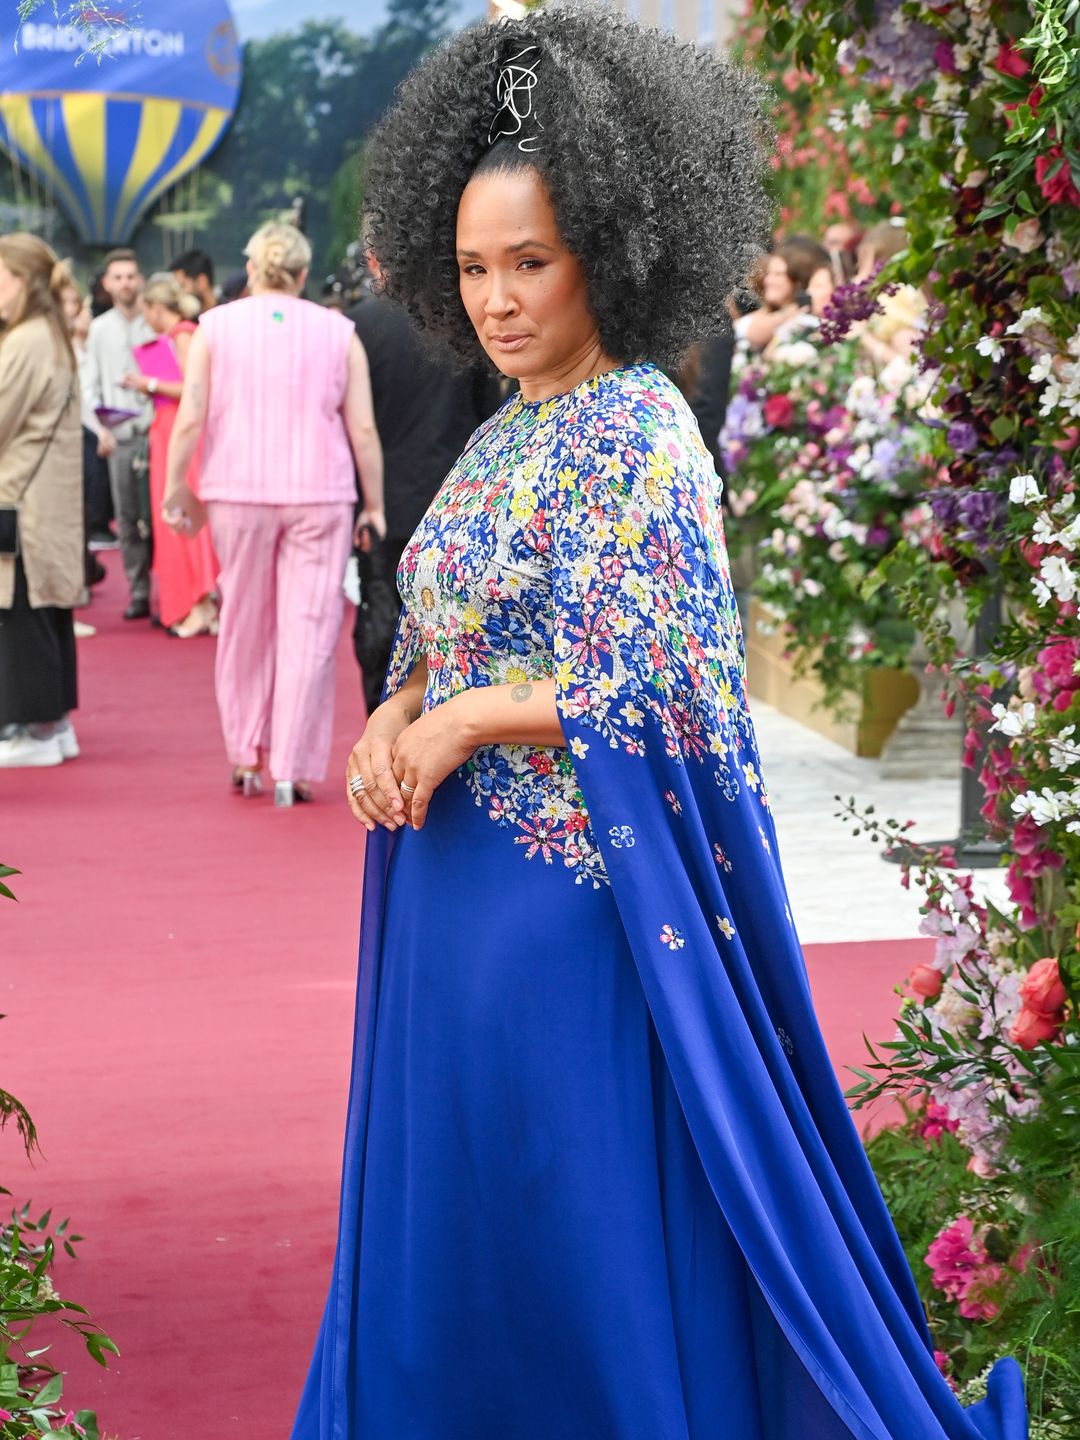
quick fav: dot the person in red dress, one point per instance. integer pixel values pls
(185, 570)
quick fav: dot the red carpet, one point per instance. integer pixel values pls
(178, 978)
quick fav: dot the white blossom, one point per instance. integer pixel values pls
(1014, 721)
(988, 345)
(1033, 316)
(862, 116)
(837, 120)
(1042, 369)
(1056, 572)
(1024, 490)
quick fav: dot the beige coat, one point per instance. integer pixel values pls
(35, 381)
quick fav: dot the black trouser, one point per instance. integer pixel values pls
(97, 490)
(38, 681)
(372, 676)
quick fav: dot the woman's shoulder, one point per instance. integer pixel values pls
(30, 335)
(633, 405)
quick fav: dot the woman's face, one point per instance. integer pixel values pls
(70, 304)
(156, 316)
(777, 287)
(524, 291)
(820, 289)
(12, 288)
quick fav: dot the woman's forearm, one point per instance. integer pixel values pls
(182, 448)
(367, 452)
(523, 714)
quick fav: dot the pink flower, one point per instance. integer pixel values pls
(1026, 236)
(1057, 187)
(975, 1304)
(924, 980)
(1030, 1029)
(952, 1258)
(779, 411)
(936, 1122)
(1009, 61)
(944, 58)
(1042, 990)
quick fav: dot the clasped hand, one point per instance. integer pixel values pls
(402, 762)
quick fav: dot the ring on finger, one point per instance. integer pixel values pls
(407, 789)
(356, 785)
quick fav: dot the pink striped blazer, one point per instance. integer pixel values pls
(274, 429)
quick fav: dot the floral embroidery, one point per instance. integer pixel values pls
(622, 837)
(724, 925)
(672, 938)
(581, 539)
(720, 857)
(786, 1041)
(673, 800)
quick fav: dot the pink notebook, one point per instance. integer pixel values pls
(158, 360)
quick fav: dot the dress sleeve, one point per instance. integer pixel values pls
(645, 623)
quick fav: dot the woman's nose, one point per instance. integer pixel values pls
(500, 299)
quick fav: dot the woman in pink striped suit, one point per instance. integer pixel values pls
(278, 390)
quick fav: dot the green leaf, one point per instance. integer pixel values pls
(1002, 427)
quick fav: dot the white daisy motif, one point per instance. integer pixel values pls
(764, 840)
(671, 937)
(753, 779)
(579, 747)
(726, 928)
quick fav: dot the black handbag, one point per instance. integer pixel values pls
(377, 612)
(9, 513)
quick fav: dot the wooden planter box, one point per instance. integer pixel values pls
(886, 694)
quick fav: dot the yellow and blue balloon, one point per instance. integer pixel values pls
(107, 136)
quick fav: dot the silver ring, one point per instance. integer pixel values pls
(356, 785)
(408, 789)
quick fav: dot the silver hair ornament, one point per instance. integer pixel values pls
(514, 92)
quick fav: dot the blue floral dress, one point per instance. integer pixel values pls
(600, 1182)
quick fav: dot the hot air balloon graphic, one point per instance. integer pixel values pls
(107, 135)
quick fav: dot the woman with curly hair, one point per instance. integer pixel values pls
(599, 1177)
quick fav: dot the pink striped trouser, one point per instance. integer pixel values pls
(282, 603)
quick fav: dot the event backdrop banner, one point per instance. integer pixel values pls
(107, 134)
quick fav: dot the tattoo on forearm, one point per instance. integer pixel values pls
(521, 693)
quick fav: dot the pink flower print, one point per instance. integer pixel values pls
(541, 837)
(673, 800)
(671, 937)
(720, 857)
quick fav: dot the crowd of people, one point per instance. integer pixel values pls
(232, 447)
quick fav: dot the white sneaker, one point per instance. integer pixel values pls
(24, 749)
(84, 631)
(65, 735)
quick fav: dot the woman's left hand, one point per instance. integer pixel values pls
(425, 753)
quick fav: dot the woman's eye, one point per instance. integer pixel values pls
(531, 264)
(472, 270)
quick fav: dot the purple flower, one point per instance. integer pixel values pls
(1070, 275)
(851, 304)
(906, 58)
(887, 457)
(944, 58)
(962, 437)
(974, 516)
(877, 535)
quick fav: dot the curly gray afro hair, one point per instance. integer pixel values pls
(653, 153)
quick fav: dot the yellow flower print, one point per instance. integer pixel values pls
(516, 676)
(568, 478)
(629, 531)
(660, 466)
(471, 620)
(523, 505)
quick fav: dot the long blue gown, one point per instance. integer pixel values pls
(600, 1182)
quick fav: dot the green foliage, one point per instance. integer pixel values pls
(5, 873)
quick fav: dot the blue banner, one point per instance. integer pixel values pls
(106, 136)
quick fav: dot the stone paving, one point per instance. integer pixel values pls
(840, 887)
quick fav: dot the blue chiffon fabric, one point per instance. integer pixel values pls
(599, 1178)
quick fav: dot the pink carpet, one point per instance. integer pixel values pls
(178, 977)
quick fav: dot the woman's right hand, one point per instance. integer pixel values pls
(380, 802)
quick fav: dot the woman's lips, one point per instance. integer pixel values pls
(508, 343)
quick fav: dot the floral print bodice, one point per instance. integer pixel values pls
(501, 579)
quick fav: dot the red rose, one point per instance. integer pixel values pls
(1042, 990)
(925, 981)
(1030, 1028)
(779, 411)
(1058, 189)
(1010, 62)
